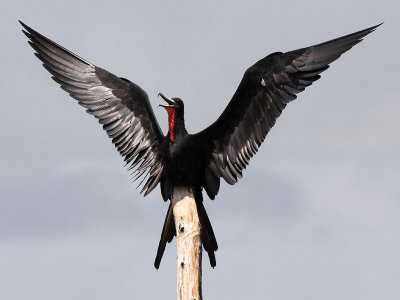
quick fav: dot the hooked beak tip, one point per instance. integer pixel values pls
(166, 99)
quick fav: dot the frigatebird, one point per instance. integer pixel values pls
(179, 158)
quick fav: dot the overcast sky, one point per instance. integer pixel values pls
(316, 215)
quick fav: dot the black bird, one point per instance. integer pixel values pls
(181, 159)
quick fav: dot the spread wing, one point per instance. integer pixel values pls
(265, 90)
(121, 106)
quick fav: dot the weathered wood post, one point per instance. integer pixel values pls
(188, 281)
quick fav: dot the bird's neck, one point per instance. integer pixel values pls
(175, 124)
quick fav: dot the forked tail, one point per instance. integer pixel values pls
(206, 234)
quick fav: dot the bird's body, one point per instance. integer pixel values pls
(199, 160)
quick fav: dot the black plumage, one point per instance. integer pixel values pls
(198, 160)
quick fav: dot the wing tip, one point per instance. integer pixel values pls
(28, 30)
(376, 26)
(37, 37)
(23, 24)
(368, 30)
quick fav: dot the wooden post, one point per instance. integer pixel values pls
(187, 226)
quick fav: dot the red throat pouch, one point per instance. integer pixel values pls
(171, 121)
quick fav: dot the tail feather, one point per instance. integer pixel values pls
(207, 233)
(167, 235)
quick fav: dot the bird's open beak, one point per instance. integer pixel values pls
(171, 103)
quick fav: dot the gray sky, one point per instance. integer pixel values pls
(316, 214)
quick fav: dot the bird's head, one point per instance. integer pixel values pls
(174, 104)
(175, 109)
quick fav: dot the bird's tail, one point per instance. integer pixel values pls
(206, 234)
(167, 235)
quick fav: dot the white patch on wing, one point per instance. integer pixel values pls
(263, 82)
(101, 89)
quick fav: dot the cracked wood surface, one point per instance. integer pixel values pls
(189, 248)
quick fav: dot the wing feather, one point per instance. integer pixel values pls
(121, 106)
(265, 90)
